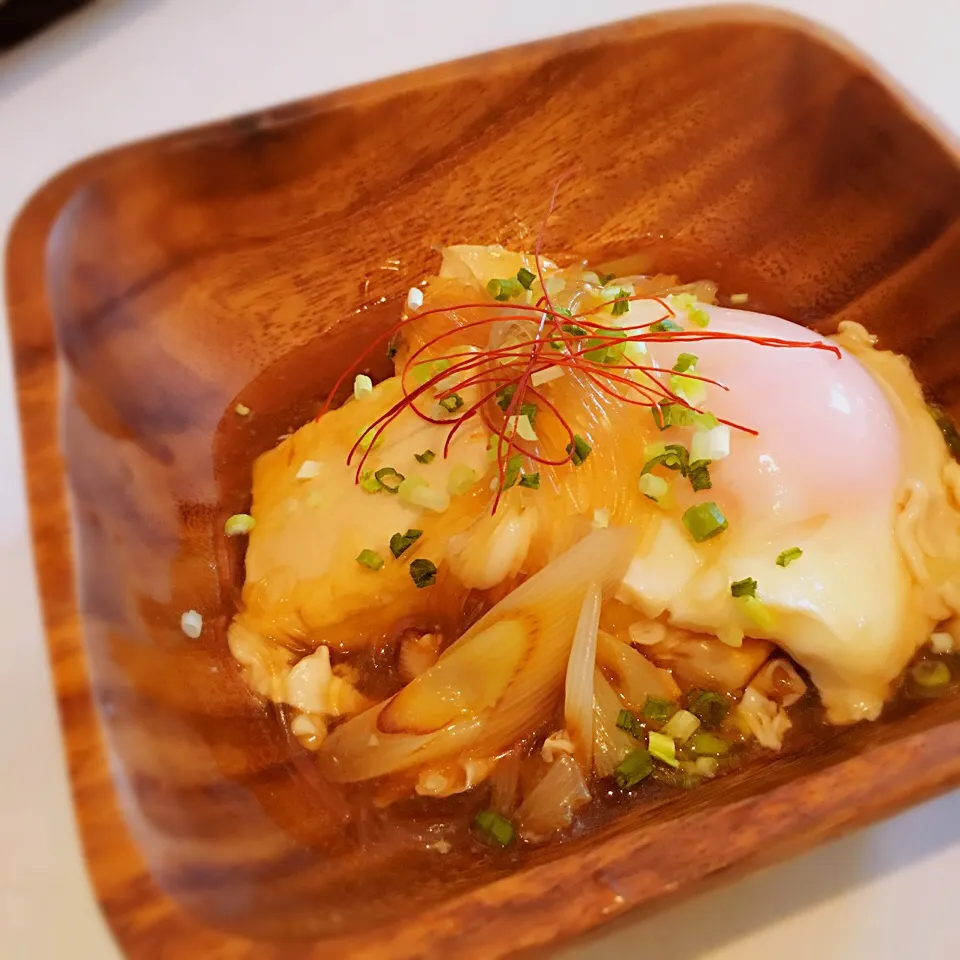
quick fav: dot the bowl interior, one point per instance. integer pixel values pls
(251, 259)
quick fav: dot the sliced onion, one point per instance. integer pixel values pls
(551, 804)
(578, 702)
(779, 681)
(610, 743)
(634, 677)
(493, 686)
(504, 782)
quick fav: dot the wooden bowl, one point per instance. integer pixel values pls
(154, 286)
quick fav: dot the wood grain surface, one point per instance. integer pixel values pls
(152, 287)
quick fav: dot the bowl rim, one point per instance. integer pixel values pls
(847, 793)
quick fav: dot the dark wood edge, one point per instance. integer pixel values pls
(850, 793)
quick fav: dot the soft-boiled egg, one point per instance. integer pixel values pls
(827, 474)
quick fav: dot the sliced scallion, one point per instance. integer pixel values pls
(635, 766)
(747, 587)
(530, 480)
(493, 828)
(662, 748)
(423, 573)
(653, 487)
(424, 457)
(627, 721)
(665, 326)
(657, 710)
(682, 726)
(525, 278)
(504, 396)
(401, 542)
(786, 557)
(504, 289)
(461, 479)
(704, 521)
(578, 450)
(709, 745)
(389, 479)
(685, 362)
(511, 472)
(710, 707)
(369, 482)
(621, 304)
(370, 559)
(452, 403)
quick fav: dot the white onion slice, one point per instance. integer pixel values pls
(578, 702)
(496, 684)
(553, 801)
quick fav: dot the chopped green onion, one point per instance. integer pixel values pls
(429, 369)
(658, 711)
(786, 557)
(366, 438)
(424, 457)
(461, 479)
(423, 573)
(369, 482)
(688, 303)
(604, 278)
(418, 493)
(601, 350)
(493, 829)
(370, 559)
(452, 403)
(665, 326)
(710, 707)
(699, 476)
(662, 748)
(505, 395)
(627, 721)
(392, 348)
(744, 588)
(635, 766)
(401, 542)
(704, 521)
(530, 411)
(712, 444)
(362, 386)
(241, 410)
(931, 673)
(621, 305)
(504, 289)
(574, 330)
(685, 362)
(682, 725)
(707, 766)
(530, 480)
(389, 479)
(239, 524)
(653, 487)
(654, 449)
(709, 745)
(674, 457)
(579, 450)
(563, 311)
(525, 278)
(512, 471)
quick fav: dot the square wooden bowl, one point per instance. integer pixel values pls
(152, 286)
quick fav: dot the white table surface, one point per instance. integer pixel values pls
(127, 69)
